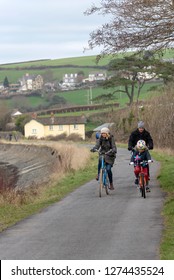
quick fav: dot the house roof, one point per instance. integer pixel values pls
(103, 125)
(17, 113)
(61, 120)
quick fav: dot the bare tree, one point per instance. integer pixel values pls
(133, 25)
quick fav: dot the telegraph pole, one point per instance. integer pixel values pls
(90, 94)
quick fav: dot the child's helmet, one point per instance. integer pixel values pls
(141, 145)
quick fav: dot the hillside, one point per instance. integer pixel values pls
(53, 70)
(56, 67)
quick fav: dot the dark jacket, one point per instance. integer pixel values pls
(145, 155)
(107, 145)
(136, 136)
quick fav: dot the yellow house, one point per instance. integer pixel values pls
(54, 126)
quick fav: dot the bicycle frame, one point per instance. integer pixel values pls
(142, 181)
(103, 179)
(103, 176)
(104, 172)
(142, 175)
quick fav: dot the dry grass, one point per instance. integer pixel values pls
(158, 115)
(166, 151)
(70, 158)
(17, 198)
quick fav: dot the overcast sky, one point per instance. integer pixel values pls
(39, 29)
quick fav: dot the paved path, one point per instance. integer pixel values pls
(121, 226)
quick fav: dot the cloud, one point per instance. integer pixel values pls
(38, 29)
(24, 52)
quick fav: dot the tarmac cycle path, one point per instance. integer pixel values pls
(82, 226)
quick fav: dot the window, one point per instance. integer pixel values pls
(60, 127)
(51, 127)
(75, 126)
(34, 131)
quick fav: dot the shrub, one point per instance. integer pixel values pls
(74, 137)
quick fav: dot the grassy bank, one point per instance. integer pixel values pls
(166, 179)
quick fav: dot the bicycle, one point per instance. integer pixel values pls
(103, 176)
(143, 179)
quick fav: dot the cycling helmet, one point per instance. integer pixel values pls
(141, 145)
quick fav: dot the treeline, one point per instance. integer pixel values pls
(42, 67)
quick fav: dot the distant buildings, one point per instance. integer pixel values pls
(71, 81)
(31, 82)
(27, 84)
(97, 76)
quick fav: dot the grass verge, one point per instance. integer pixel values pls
(166, 179)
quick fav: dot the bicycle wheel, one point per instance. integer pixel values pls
(143, 186)
(101, 182)
(106, 182)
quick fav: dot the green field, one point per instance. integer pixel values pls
(81, 61)
(69, 65)
(76, 97)
(81, 97)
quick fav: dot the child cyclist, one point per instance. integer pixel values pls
(140, 154)
(106, 144)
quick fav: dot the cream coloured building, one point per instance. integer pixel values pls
(54, 126)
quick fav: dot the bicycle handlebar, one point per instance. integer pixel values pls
(141, 162)
(95, 150)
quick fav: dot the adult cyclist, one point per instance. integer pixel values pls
(106, 144)
(140, 134)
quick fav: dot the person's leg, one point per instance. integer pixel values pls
(136, 172)
(108, 168)
(148, 172)
(99, 167)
